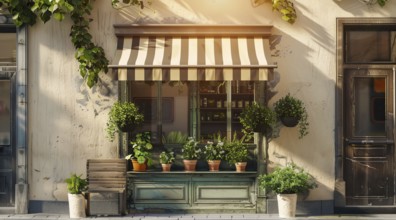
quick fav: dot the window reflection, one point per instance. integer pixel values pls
(370, 95)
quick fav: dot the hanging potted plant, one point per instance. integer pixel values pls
(166, 160)
(287, 182)
(237, 153)
(141, 147)
(75, 187)
(214, 152)
(124, 117)
(257, 118)
(291, 112)
(190, 153)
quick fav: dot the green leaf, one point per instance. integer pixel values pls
(59, 16)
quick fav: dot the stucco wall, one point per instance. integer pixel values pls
(67, 119)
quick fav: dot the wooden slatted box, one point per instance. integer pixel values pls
(106, 186)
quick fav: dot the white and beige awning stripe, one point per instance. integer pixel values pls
(151, 58)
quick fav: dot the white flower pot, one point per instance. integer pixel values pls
(76, 205)
(287, 205)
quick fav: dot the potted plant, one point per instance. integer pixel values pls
(214, 152)
(190, 153)
(141, 157)
(75, 187)
(257, 118)
(173, 141)
(286, 182)
(291, 112)
(237, 153)
(166, 160)
(123, 116)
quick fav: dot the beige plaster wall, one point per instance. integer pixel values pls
(67, 119)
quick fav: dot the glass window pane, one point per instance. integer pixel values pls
(213, 109)
(5, 114)
(174, 107)
(369, 46)
(370, 106)
(144, 95)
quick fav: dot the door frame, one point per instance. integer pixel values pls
(340, 189)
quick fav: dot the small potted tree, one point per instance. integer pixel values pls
(166, 160)
(124, 117)
(287, 182)
(291, 112)
(257, 118)
(190, 153)
(141, 147)
(75, 187)
(237, 153)
(214, 152)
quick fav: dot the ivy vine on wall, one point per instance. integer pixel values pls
(91, 57)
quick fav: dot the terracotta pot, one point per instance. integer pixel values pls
(214, 165)
(166, 167)
(190, 165)
(139, 167)
(240, 166)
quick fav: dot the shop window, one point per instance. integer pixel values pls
(201, 109)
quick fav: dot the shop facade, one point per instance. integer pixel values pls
(191, 68)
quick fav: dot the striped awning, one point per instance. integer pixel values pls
(153, 58)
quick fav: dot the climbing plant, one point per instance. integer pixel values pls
(91, 57)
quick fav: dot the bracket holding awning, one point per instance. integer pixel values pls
(192, 53)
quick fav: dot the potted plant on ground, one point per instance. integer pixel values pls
(166, 160)
(75, 187)
(214, 152)
(190, 153)
(237, 153)
(141, 157)
(291, 112)
(123, 116)
(287, 182)
(257, 118)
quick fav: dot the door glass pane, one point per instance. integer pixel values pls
(5, 115)
(370, 106)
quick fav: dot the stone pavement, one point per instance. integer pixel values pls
(44, 216)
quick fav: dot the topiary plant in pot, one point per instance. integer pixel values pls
(291, 112)
(287, 182)
(123, 116)
(257, 118)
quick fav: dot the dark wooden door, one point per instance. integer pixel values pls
(7, 158)
(369, 146)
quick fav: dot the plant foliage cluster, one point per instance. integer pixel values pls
(76, 184)
(291, 107)
(141, 149)
(237, 150)
(91, 57)
(214, 150)
(256, 117)
(287, 180)
(191, 150)
(174, 137)
(167, 157)
(121, 115)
